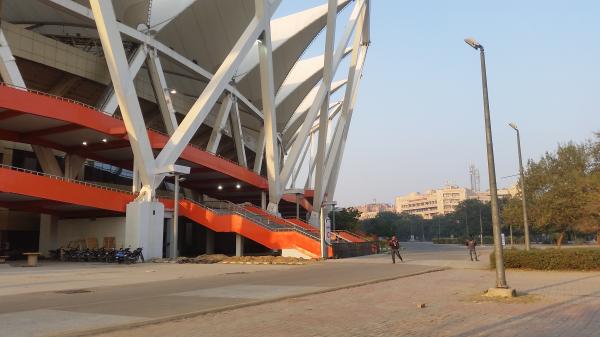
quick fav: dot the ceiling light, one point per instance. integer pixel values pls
(238, 186)
(84, 143)
(220, 187)
(173, 91)
(104, 140)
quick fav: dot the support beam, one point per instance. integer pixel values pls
(294, 153)
(299, 166)
(210, 241)
(109, 104)
(219, 125)
(260, 151)
(324, 116)
(338, 142)
(74, 166)
(267, 84)
(238, 137)
(198, 112)
(47, 160)
(8, 66)
(239, 245)
(161, 91)
(122, 80)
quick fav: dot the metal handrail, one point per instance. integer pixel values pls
(51, 176)
(110, 115)
(231, 208)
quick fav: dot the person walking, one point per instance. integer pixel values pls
(395, 248)
(471, 243)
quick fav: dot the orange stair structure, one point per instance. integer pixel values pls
(220, 216)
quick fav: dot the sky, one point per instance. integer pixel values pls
(418, 121)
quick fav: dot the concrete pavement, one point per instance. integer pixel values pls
(74, 298)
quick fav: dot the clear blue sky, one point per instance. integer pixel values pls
(418, 122)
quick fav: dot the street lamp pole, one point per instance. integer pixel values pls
(525, 222)
(480, 227)
(499, 253)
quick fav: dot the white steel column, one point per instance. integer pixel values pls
(110, 103)
(236, 132)
(268, 101)
(118, 67)
(161, 90)
(324, 116)
(311, 163)
(8, 66)
(304, 131)
(339, 139)
(260, 151)
(219, 125)
(299, 166)
(198, 112)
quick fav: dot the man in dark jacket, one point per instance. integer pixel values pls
(395, 248)
(471, 243)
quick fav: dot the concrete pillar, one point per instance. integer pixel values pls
(189, 234)
(48, 234)
(7, 153)
(144, 227)
(263, 200)
(169, 238)
(210, 241)
(239, 245)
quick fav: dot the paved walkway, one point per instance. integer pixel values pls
(63, 298)
(557, 304)
(276, 300)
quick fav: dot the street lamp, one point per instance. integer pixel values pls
(176, 171)
(525, 223)
(500, 273)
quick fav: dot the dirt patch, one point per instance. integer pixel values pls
(200, 259)
(522, 298)
(220, 258)
(267, 260)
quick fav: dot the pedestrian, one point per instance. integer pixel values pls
(471, 243)
(395, 248)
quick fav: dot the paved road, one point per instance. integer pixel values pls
(558, 305)
(30, 314)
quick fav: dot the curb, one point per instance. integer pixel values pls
(96, 331)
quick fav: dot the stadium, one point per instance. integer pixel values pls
(182, 127)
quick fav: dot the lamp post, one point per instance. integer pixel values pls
(525, 222)
(480, 227)
(174, 249)
(499, 254)
(176, 171)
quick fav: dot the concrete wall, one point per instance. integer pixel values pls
(79, 229)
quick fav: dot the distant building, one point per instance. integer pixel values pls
(368, 211)
(443, 200)
(433, 202)
(502, 193)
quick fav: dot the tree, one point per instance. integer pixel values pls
(557, 187)
(346, 219)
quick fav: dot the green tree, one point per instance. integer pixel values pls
(347, 219)
(557, 189)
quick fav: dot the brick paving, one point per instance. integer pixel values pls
(557, 304)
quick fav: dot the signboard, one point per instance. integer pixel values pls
(327, 230)
(503, 239)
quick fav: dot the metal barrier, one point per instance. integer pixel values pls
(80, 182)
(343, 250)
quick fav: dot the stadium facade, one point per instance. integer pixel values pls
(179, 126)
